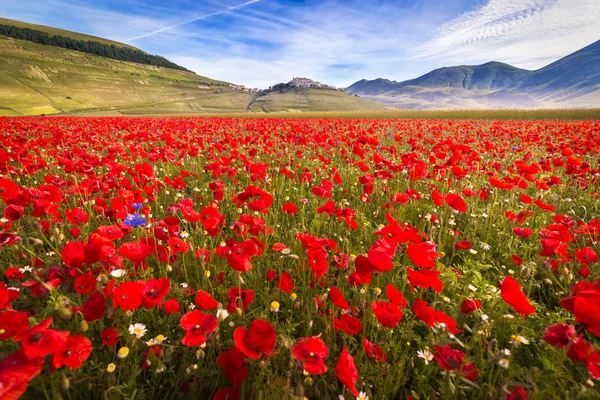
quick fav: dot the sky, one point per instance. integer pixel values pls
(258, 43)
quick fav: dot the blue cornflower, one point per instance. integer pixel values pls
(136, 206)
(135, 220)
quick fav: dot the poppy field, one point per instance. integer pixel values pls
(246, 258)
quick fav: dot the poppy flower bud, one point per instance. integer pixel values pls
(66, 384)
(83, 326)
(238, 311)
(65, 313)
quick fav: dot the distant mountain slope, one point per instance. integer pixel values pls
(571, 81)
(309, 99)
(578, 73)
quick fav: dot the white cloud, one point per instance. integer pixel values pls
(189, 21)
(526, 33)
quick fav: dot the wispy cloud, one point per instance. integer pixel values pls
(189, 21)
(529, 33)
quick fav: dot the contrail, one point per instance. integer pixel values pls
(166, 28)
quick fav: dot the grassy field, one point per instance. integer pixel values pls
(488, 115)
(524, 114)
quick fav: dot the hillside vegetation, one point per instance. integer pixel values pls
(87, 46)
(37, 79)
(62, 32)
(307, 100)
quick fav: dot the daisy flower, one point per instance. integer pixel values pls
(138, 330)
(425, 355)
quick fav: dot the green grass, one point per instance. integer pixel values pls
(524, 114)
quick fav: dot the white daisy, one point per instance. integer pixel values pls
(425, 355)
(138, 330)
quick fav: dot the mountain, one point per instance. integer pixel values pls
(571, 81)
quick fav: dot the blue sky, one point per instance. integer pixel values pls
(261, 42)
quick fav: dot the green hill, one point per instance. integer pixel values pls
(38, 79)
(61, 32)
(309, 100)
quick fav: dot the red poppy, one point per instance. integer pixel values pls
(346, 371)
(15, 374)
(514, 296)
(338, 299)
(12, 323)
(227, 394)
(135, 251)
(171, 306)
(13, 212)
(73, 254)
(94, 307)
(7, 239)
(374, 351)
(127, 296)
(437, 198)
(586, 256)
(154, 291)
(422, 254)
(197, 325)
(559, 335)
(73, 353)
(453, 360)
(290, 208)
(311, 351)
(239, 257)
(470, 305)
(380, 260)
(205, 301)
(363, 273)
(8, 189)
(522, 232)
(285, 283)
(40, 341)
(456, 202)
(518, 393)
(77, 216)
(109, 336)
(348, 324)
(259, 339)
(395, 296)
(239, 298)
(234, 367)
(425, 279)
(516, 259)
(317, 260)
(388, 314)
(84, 283)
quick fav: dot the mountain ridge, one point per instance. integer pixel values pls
(570, 78)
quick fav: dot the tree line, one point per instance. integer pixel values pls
(88, 46)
